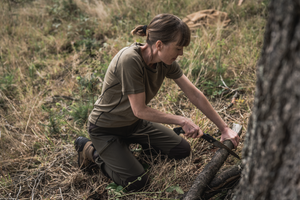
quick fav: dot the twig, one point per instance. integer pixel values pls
(18, 193)
(240, 2)
(228, 88)
(17, 160)
(224, 82)
(231, 118)
(233, 99)
(179, 109)
(61, 194)
(40, 178)
(33, 189)
(231, 103)
(17, 113)
(30, 116)
(69, 98)
(65, 97)
(1, 170)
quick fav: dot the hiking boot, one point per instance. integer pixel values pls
(86, 153)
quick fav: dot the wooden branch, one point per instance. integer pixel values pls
(223, 181)
(210, 170)
(222, 177)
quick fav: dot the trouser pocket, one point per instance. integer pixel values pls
(108, 143)
(99, 160)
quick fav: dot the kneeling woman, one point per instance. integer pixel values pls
(121, 115)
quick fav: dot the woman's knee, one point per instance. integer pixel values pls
(182, 150)
(132, 183)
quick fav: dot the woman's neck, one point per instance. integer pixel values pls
(149, 57)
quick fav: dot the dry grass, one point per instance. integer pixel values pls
(53, 57)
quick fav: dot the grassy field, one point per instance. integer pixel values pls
(53, 57)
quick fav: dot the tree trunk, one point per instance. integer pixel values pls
(272, 150)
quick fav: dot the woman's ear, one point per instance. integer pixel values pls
(159, 45)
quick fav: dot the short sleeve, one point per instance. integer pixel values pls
(174, 71)
(130, 72)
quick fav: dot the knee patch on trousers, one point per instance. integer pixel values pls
(182, 150)
(136, 183)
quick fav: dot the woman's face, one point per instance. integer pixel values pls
(169, 52)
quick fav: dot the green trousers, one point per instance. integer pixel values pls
(117, 161)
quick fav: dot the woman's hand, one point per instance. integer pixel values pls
(229, 134)
(191, 129)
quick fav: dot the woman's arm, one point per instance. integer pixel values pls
(142, 111)
(201, 102)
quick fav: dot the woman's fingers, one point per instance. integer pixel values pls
(191, 133)
(194, 133)
(231, 135)
(234, 143)
(200, 134)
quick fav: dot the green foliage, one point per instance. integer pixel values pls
(63, 9)
(87, 43)
(101, 66)
(5, 180)
(80, 112)
(175, 188)
(116, 190)
(86, 39)
(88, 83)
(80, 27)
(6, 82)
(31, 71)
(53, 127)
(208, 69)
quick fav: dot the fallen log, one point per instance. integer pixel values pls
(210, 170)
(223, 181)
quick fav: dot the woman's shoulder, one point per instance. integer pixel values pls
(134, 49)
(131, 52)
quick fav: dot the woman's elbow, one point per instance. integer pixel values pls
(138, 112)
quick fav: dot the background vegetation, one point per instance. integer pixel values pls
(53, 57)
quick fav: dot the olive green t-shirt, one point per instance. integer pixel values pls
(128, 74)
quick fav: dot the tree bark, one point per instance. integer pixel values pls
(210, 170)
(271, 150)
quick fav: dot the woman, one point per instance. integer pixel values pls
(121, 115)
